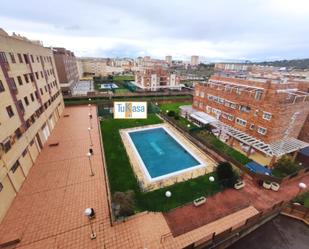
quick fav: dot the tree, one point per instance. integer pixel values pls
(125, 202)
(285, 166)
(171, 113)
(226, 175)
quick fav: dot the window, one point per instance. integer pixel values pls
(26, 58)
(26, 78)
(31, 77)
(202, 94)
(24, 153)
(258, 94)
(32, 58)
(267, 115)
(41, 74)
(241, 122)
(197, 93)
(18, 133)
(6, 145)
(32, 97)
(245, 108)
(12, 57)
(238, 90)
(20, 82)
(208, 109)
(10, 111)
(262, 130)
(1, 186)
(26, 100)
(227, 116)
(252, 127)
(20, 58)
(37, 58)
(36, 94)
(230, 104)
(41, 91)
(37, 75)
(1, 87)
(256, 113)
(15, 166)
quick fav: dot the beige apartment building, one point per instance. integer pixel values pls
(98, 67)
(30, 105)
(156, 79)
(66, 66)
(194, 60)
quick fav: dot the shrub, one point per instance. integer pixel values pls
(176, 117)
(125, 203)
(171, 113)
(227, 177)
(285, 166)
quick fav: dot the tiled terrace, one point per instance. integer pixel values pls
(48, 211)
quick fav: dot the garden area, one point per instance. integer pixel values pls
(123, 184)
(172, 110)
(121, 81)
(303, 199)
(285, 166)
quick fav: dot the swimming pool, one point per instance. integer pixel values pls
(160, 154)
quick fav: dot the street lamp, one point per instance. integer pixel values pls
(211, 179)
(89, 131)
(90, 164)
(89, 213)
(90, 117)
(301, 186)
(168, 194)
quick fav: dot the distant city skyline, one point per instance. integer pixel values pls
(215, 30)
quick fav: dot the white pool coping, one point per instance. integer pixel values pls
(173, 135)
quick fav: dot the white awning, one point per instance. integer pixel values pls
(203, 117)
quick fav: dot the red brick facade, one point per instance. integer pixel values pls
(263, 106)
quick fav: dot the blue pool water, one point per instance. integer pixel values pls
(161, 153)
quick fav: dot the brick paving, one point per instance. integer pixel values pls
(48, 211)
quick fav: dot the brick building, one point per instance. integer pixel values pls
(156, 79)
(30, 105)
(266, 115)
(66, 66)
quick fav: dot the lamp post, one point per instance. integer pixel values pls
(211, 179)
(301, 186)
(89, 213)
(90, 164)
(90, 117)
(89, 131)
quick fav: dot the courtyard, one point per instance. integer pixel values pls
(48, 210)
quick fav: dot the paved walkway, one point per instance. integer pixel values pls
(48, 211)
(222, 203)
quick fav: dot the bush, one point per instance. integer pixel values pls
(124, 202)
(285, 166)
(171, 113)
(176, 117)
(227, 177)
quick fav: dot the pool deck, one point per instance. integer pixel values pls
(47, 213)
(145, 182)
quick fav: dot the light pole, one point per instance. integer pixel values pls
(89, 213)
(90, 164)
(89, 131)
(90, 117)
(301, 186)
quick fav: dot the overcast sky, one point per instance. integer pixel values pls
(213, 29)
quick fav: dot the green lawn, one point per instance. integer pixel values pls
(122, 90)
(303, 199)
(121, 176)
(123, 78)
(224, 148)
(173, 106)
(182, 122)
